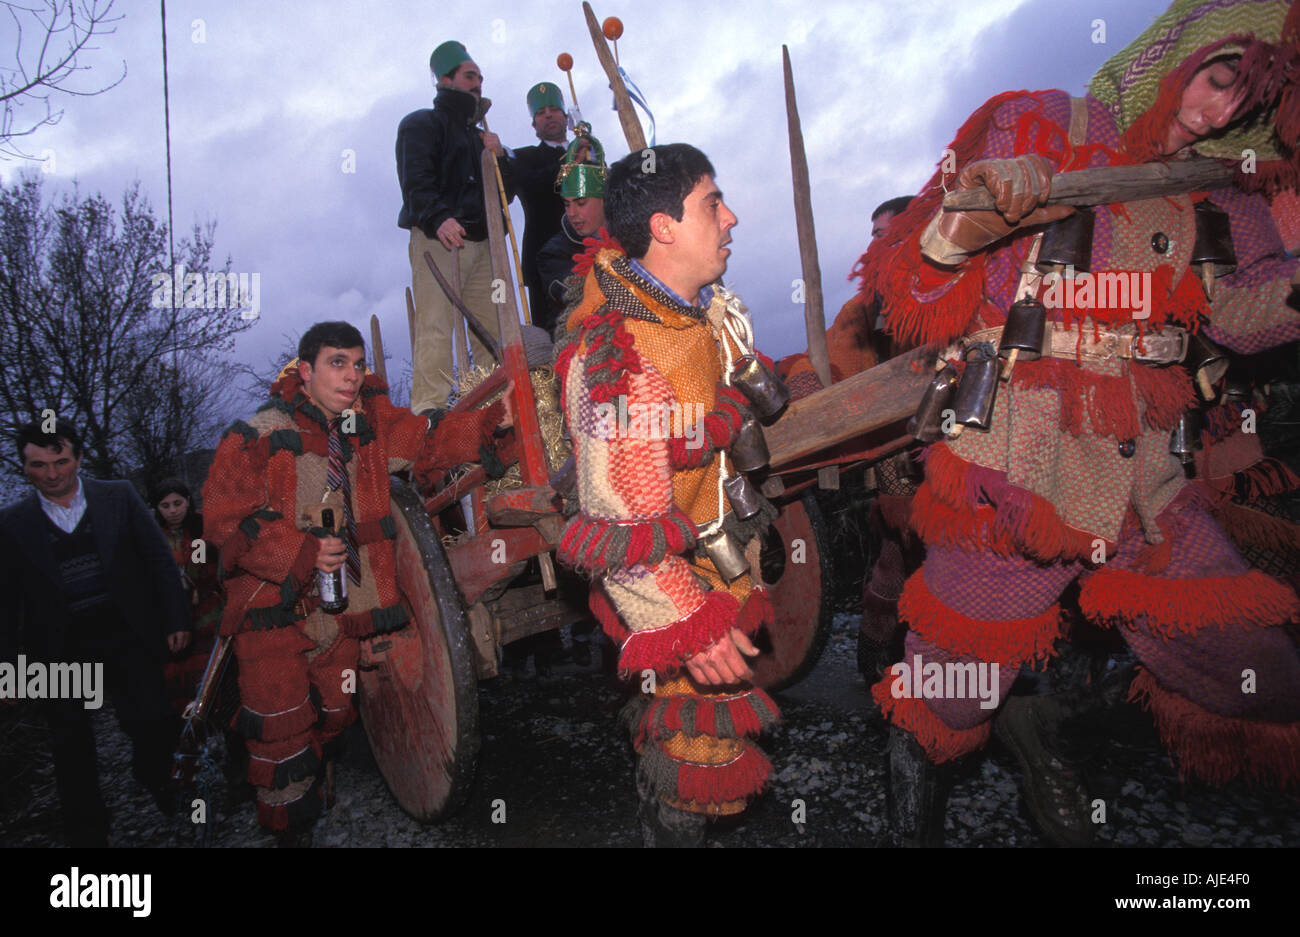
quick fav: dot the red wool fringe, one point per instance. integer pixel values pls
(1107, 401)
(1249, 527)
(718, 784)
(756, 612)
(1185, 606)
(751, 713)
(603, 240)
(945, 511)
(665, 649)
(941, 743)
(610, 376)
(581, 547)
(1219, 748)
(1011, 641)
(610, 622)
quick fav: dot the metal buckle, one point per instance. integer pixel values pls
(1158, 351)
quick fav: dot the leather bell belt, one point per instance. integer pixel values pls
(1167, 346)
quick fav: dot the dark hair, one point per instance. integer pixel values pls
(893, 207)
(65, 434)
(641, 185)
(334, 334)
(170, 486)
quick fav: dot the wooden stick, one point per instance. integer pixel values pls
(1108, 184)
(622, 100)
(573, 92)
(814, 318)
(377, 349)
(532, 462)
(510, 227)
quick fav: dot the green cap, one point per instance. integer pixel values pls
(447, 57)
(544, 94)
(586, 179)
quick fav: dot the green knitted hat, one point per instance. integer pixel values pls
(447, 57)
(587, 179)
(543, 95)
(1130, 83)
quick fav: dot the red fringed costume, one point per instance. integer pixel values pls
(262, 502)
(648, 413)
(1074, 480)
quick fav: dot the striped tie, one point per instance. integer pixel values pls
(338, 481)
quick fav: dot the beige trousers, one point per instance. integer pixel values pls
(438, 326)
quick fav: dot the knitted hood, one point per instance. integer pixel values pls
(1143, 84)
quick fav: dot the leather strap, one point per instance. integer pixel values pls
(1167, 346)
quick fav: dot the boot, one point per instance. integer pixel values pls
(1053, 787)
(917, 793)
(663, 826)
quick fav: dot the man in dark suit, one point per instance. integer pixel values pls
(533, 171)
(86, 577)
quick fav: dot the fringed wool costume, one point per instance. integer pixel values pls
(632, 357)
(1078, 451)
(262, 502)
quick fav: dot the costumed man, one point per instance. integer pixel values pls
(652, 333)
(328, 437)
(533, 170)
(439, 150)
(581, 185)
(1074, 478)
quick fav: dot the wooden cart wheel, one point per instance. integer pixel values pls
(419, 691)
(800, 592)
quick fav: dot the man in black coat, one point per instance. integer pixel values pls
(439, 150)
(86, 578)
(533, 169)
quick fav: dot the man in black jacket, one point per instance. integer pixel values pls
(87, 581)
(438, 165)
(534, 169)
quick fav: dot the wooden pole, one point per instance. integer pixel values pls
(377, 349)
(622, 100)
(1108, 184)
(479, 329)
(532, 462)
(410, 321)
(814, 317)
(510, 227)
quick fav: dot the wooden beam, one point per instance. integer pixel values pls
(377, 349)
(622, 100)
(866, 401)
(1108, 184)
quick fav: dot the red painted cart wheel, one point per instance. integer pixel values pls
(419, 690)
(797, 568)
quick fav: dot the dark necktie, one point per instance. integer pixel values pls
(338, 481)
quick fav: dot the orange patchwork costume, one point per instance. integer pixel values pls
(262, 500)
(646, 490)
(1078, 452)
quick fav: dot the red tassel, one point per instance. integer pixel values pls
(717, 784)
(941, 743)
(756, 612)
(1185, 606)
(665, 649)
(610, 622)
(1011, 642)
(1248, 527)
(1219, 748)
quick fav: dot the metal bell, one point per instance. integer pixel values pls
(763, 388)
(926, 424)
(727, 558)
(1186, 437)
(977, 390)
(1236, 392)
(1024, 331)
(1067, 243)
(744, 497)
(1207, 362)
(749, 449)
(1213, 240)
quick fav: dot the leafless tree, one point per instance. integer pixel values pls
(51, 40)
(84, 332)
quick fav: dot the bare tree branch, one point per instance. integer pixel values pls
(65, 28)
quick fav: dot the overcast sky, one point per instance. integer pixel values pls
(272, 102)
